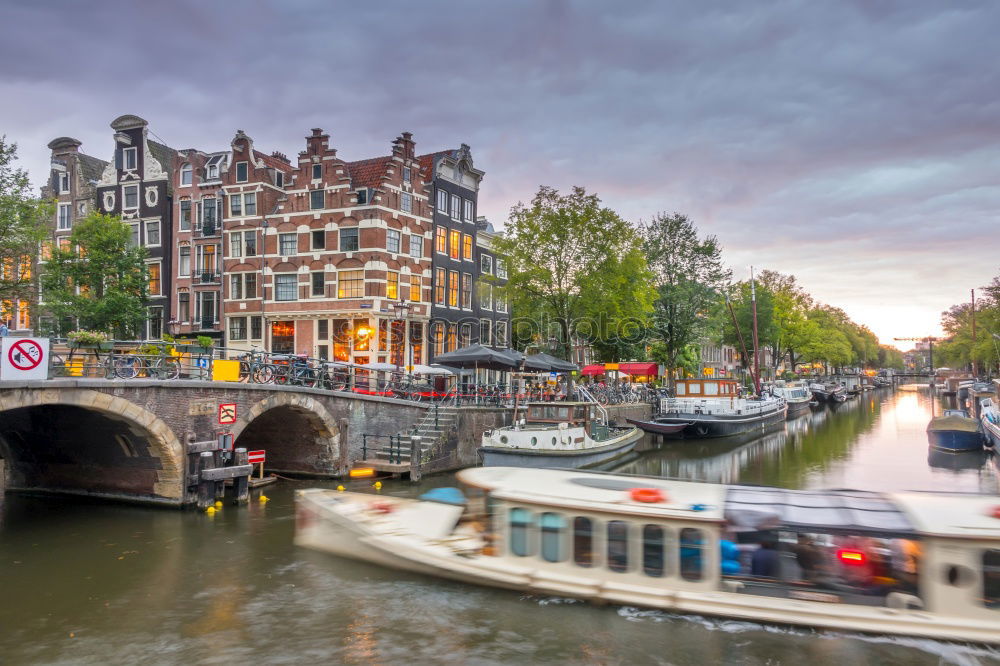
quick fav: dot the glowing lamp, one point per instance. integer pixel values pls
(362, 472)
(363, 332)
(855, 557)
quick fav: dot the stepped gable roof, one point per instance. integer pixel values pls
(91, 168)
(368, 173)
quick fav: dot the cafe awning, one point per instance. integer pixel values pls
(639, 369)
(591, 370)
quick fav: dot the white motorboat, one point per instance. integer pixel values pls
(907, 563)
(796, 394)
(558, 434)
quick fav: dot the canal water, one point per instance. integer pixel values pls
(98, 583)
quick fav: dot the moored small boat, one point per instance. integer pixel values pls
(989, 418)
(796, 395)
(658, 428)
(558, 434)
(715, 408)
(954, 430)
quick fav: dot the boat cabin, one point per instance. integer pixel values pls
(932, 552)
(578, 414)
(707, 388)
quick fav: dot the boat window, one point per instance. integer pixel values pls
(991, 578)
(552, 528)
(694, 387)
(653, 545)
(583, 542)
(618, 545)
(681, 388)
(692, 544)
(711, 388)
(521, 522)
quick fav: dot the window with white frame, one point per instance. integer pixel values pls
(243, 205)
(485, 331)
(236, 286)
(501, 269)
(152, 232)
(467, 212)
(486, 265)
(243, 244)
(318, 239)
(207, 308)
(406, 174)
(241, 172)
(485, 296)
(317, 283)
(288, 244)
(184, 260)
(456, 207)
(442, 201)
(185, 174)
(501, 334)
(237, 328)
(317, 172)
(349, 240)
(130, 197)
(184, 306)
(207, 259)
(155, 280)
(501, 303)
(134, 238)
(362, 195)
(317, 199)
(63, 182)
(406, 202)
(129, 158)
(212, 171)
(285, 286)
(65, 221)
(279, 178)
(392, 241)
(416, 245)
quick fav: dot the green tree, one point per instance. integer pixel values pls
(689, 278)
(576, 265)
(101, 279)
(23, 227)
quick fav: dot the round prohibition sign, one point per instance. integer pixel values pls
(25, 355)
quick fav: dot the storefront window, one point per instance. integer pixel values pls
(283, 337)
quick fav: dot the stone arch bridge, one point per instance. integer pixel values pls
(136, 439)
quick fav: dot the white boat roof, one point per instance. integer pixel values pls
(960, 515)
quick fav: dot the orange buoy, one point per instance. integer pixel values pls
(649, 495)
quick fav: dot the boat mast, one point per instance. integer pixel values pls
(739, 334)
(975, 375)
(756, 344)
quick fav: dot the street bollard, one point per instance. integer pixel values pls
(241, 484)
(415, 454)
(206, 489)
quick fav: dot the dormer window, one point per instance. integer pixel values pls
(212, 173)
(406, 175)
(185, 174)
(129, 158)
(362, 196)
(317, 172)
(241, 172)
(279, 179)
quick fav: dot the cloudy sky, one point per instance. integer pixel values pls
(855, 145)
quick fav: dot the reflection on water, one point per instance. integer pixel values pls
(874, 442)
(98, 583)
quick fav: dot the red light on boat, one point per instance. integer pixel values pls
(851, 556)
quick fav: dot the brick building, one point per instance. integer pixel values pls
(341, 244)
(72, 185)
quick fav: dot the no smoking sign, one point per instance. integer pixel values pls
(23, 358)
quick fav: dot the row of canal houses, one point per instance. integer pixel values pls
(377, 260)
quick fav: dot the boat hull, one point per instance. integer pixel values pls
(955, 440)
(699, 426)
(657, 428)
(518, 457)
(797, 408)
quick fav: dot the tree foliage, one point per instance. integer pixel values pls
(960, 348)
(689, 279)
(577, 266)
(23, 225)
(100, 279)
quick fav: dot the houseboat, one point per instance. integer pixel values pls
(831, 393)
(989, 418)
(906, 563)
(797, 396)
(715, 408)
(558, 434)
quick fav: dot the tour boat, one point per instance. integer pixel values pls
(797, 396)
(558, 434)
(989, 417)
(906, 563)
(715, 408)
(955, 430)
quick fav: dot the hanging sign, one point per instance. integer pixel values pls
(24, 358)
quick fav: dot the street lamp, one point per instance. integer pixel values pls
(402, 309)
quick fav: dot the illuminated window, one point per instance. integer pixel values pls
(350, 284)
(392, 285)
(467, 247)
(453, 289)
(455, 245)
(467, 290)
(415, 288)
(441, 240)
(439, 286)
(154, 279)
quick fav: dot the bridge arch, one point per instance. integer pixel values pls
(297, 431)
(83, 441)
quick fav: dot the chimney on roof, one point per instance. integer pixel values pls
(404, 146)
(278, 155)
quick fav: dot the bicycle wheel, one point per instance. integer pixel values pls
(264, 374)
(126, 367)
(168, 368)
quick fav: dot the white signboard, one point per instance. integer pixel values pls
(24, 358)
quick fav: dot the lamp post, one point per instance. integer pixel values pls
(263, 267)
(402, 309)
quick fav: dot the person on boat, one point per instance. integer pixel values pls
(809, 558)
(766, 560)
